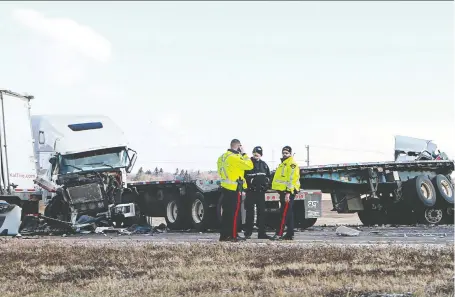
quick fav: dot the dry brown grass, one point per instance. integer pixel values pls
(66, 268)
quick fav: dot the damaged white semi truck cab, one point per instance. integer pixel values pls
(83, 161)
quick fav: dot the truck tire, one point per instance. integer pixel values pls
(174, 213)
(199, 212)
(272, 221)
(444, 190)
(307, 223)
(430, 216)
(57, 208)
(299, 216)
(370, 217)
(420, 192)
(449, 216)
(400, 214)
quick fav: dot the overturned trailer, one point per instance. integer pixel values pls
(414, 188)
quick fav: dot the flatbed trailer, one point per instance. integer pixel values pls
(395, 192)
(196, 204)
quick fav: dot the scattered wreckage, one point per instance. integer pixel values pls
(78, 165)
(10, 218)
(85, 201)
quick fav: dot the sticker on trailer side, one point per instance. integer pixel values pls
(272, 197)
(313, 207)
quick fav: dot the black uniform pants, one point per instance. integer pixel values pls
(287, 215)
(258, 199)
(231, 212)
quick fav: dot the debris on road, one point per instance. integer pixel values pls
(346, 231)
(10, 218)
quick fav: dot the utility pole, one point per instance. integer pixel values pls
(307, 155)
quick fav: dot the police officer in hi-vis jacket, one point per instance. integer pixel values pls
(287, 182)
(231, 169)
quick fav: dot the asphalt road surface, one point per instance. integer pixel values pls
(407, 235)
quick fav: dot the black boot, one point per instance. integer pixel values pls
(287, 237)
(229, 239)
(275, 237)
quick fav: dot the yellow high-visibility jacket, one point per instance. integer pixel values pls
(287, 177)
(231, 166)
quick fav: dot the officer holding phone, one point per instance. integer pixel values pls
(231, 169)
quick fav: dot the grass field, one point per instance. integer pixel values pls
(90, 268)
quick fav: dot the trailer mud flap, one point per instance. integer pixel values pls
(313, 207)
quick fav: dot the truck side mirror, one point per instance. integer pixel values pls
(53, 160)
(132, 156)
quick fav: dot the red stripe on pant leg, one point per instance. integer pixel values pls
(234, 228)
(283, 219)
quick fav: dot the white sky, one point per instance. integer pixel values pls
(184, 78)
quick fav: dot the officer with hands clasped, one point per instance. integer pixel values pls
(258, 180)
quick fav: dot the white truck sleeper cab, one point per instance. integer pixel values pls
(83, 161)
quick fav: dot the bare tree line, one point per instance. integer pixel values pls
(159, 174)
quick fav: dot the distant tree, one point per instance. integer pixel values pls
(176, 171)
(161, 170)
(156, 171)
(148, 172)
(182, 172)
(139, 174)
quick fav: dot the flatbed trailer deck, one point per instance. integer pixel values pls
(196, 204)
(392, 192)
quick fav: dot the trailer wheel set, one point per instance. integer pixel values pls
(185, 207)
(396, 192)
(433, 199)
(426, 201)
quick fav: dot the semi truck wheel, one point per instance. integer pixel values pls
(420, 190)
(57, 208)
(430, 216)
(199, 212)
(448, 216)
(299, 216)
(400, 214)
(307, 223)
(444, 190)
(370, 217)
(272, 220)
(174, 213)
